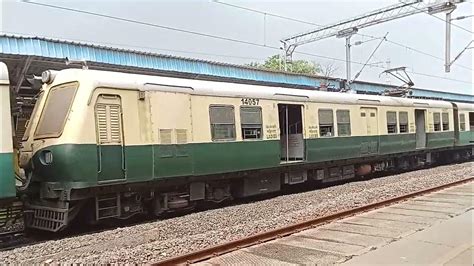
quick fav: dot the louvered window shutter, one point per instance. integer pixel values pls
(403, 118)
(115, 132)
(326, 117)
(165, 136)
(108, 119)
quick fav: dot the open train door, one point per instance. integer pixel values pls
(291, 132)
(456, 123)
(110, 145)
(420, 128)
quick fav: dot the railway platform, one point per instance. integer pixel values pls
(446, 243)
(433, 229)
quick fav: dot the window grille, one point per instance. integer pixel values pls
(462, 122)
(445, 120)
(343, 123)
(436, 122)
(326, 123)
(222, 120)
(403, 122)
(251, 122)
(392, 123)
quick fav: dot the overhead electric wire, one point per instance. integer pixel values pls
(140, 22)
(438, 18)
(175, 29)
(217, 37)
(148, 48)
(266, 13)
(319, 25)
(416, 50)
(377, 66)
(368, 59)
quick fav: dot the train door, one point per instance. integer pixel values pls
(369, 120)
(171, 117)
(370, 125)
(420, 129)
(471, 122)
(110, 146)
(456, 123)
(291, 132)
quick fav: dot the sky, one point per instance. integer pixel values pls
(421, 32)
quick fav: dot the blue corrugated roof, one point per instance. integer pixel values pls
(443, 95)
(58, 49)
(36, 46)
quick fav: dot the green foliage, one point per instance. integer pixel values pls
(297, 66)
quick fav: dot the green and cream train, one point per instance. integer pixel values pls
(104, 145)
(7, 178)
(8, 197)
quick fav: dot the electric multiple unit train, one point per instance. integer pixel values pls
(108, 145)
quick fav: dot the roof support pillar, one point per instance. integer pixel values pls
(21, 75)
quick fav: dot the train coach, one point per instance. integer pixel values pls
(8, 208)
(103, 145)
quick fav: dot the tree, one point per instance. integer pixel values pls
(328, 71)
(297, 66)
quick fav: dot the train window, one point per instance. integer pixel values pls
(445, 120)
(436, 122)
(343, 123)
(251, 122)
(462, 122)
(392, 122)
(326, 123)
(26, 135)
(222, 122)
(403, 121)
(108, 111)
(57, 106)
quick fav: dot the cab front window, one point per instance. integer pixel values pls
(55, 111)
(33, 114)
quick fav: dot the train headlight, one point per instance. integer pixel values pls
(46, 157)
(48, 76)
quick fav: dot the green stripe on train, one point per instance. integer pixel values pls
(439, 139)
(7, 176)
(79, 164)
(324, 149)
(466, 138)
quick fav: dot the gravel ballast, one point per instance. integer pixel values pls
(153, 241)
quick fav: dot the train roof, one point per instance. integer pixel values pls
(227, 89)
(4, 74)
(465, 106)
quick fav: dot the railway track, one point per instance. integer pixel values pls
(204, 254)
(10, 240)
(32, 242)
(19, 238)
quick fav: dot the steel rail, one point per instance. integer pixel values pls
(7, 238)
(221, 249)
